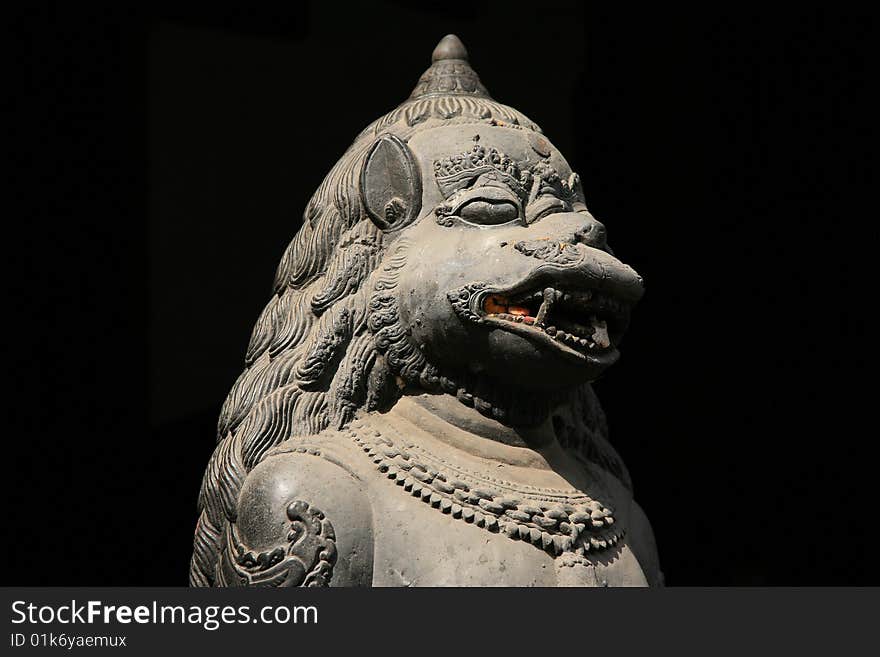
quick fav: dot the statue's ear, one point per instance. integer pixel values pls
(391, 184)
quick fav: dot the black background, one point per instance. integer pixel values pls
(164, 156)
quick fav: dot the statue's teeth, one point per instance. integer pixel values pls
(548, 297)
(600, 332)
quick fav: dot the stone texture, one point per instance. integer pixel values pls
(416, 407)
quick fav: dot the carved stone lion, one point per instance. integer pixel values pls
(416, 406)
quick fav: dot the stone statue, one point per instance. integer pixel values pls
(416, 407)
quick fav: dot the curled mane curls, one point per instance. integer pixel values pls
(314, 318)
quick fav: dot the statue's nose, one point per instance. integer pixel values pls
(574, 228)
(592, 232)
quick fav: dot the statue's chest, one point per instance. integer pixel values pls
(417, 545)
(443, 518)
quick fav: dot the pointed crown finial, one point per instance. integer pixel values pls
(449, 47)
(450, 73)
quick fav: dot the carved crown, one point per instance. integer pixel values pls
(457, 171)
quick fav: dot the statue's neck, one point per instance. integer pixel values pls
(449, 410)
(532, 454)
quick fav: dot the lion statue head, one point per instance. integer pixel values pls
(448, 251)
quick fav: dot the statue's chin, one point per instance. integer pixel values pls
(543, 379)
(539, 367)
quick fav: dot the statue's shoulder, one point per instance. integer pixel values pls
(304, 518)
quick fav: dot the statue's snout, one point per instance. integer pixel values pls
(574, 246)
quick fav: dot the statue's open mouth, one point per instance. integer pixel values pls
(585, 321)
(583, 324)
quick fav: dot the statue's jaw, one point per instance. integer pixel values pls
(578, 322)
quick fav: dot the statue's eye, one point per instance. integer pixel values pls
(485, 205)
(543, 206)
(488, 212)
